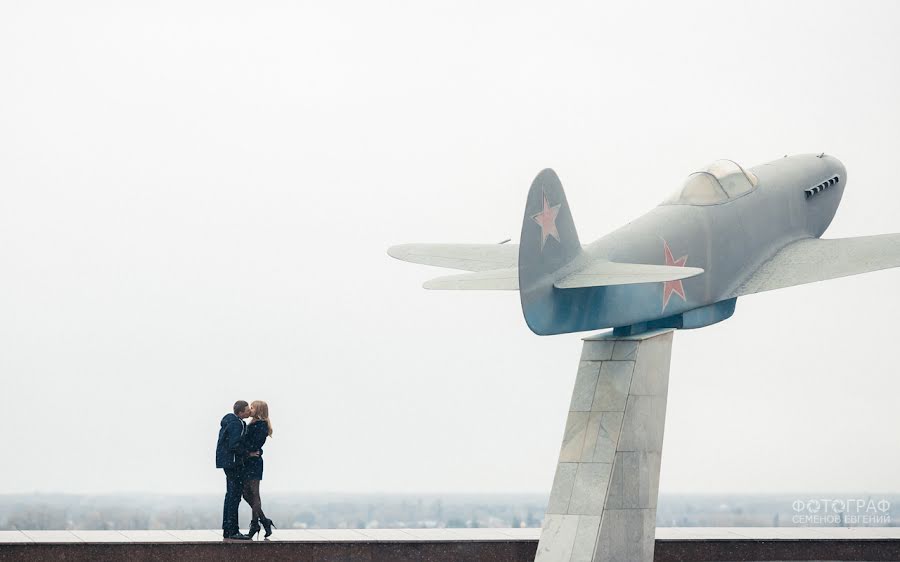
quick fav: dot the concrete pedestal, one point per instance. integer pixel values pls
(603, 501)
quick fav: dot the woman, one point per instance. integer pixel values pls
(257, 432)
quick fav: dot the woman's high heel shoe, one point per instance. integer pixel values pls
(268, 525)
(254, 529)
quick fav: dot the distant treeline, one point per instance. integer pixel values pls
(336, 511)
(324, 511)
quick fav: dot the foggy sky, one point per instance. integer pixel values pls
(196, 199)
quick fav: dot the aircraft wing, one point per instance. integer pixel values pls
(506, 279)
(602, 273)
(468, 257)
(815, 259)
(595, 274)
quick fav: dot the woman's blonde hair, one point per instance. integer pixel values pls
(262, 413)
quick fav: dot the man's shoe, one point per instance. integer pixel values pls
(238, 537)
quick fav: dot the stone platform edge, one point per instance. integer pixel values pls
(663, 534)
(672, 544)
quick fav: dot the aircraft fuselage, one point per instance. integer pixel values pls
(793, 198)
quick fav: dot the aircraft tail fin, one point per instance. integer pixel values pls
(548, 243)
(557, 281)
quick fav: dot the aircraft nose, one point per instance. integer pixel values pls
(836, 167)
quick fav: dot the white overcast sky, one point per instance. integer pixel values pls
(196, 199)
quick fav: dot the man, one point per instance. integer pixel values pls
(230, 457)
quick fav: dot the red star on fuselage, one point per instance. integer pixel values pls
(547, 220)
(670, 287)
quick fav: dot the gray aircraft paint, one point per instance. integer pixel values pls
(729, 241)
(726, 242)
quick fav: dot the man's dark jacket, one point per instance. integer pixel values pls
(229, 449)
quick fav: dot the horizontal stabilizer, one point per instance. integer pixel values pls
(601, 273)
(468, 257)
(815, 259)
(493, 280)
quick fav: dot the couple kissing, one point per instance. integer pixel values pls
(239, 453)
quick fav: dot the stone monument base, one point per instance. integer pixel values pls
(603, 501)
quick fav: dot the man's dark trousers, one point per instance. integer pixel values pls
(234, 484)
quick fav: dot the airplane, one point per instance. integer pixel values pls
(726, 232)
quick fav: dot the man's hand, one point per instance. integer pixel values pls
(253, 454)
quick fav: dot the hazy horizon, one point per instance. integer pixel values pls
(362, 511)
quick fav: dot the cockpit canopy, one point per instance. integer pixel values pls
(720, 182)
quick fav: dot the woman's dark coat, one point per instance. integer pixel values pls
(253, 440)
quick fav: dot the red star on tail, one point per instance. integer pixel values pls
(670, 287)
(547, 220)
